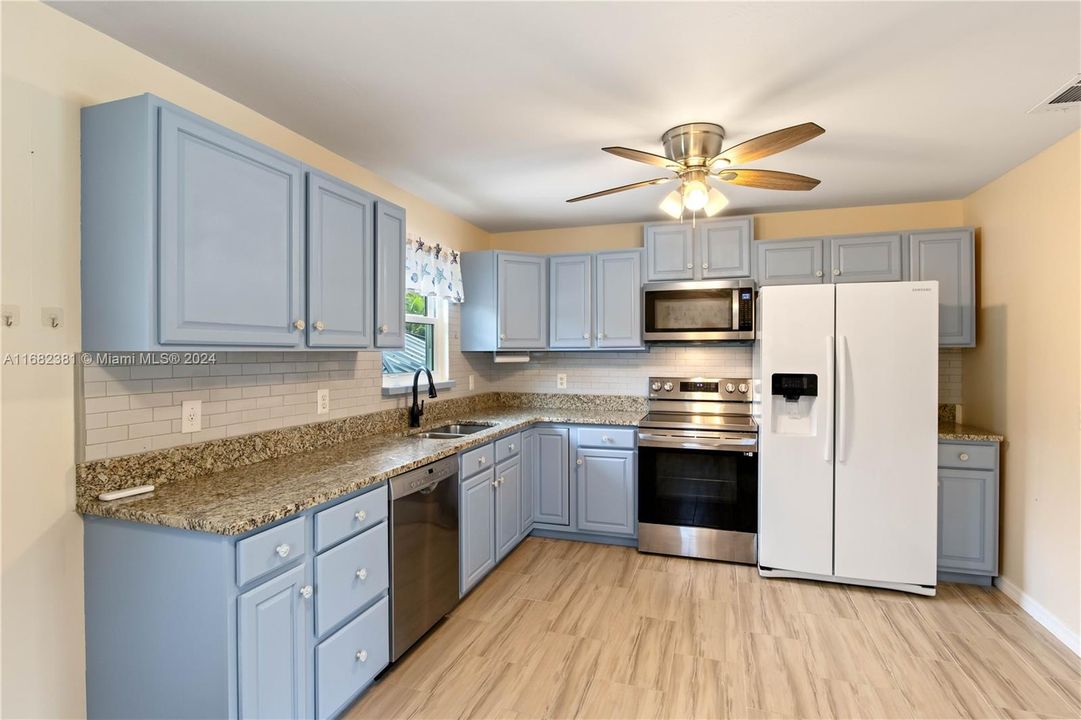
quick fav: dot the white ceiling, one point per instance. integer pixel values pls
(497, 111)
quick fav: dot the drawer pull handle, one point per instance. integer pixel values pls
(282, 550)
(306, 592)
(481, 460)
(362, 574)
(362, 655)
(511, 447)
(963, 457)
(605, 438)
(361, 515)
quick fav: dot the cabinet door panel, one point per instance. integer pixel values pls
(968, 521)
(340, 260)
(789, 262)
(523, 301)
(571, 278)
(948, 257)
(619, 300)
(272, 634)
(529, 474)
(669, 252)
(724, 248)
(871, 258)
(389, 275)
(508, 506)
(552, 478)
(477, 550)
(230, 268)
(606, 482)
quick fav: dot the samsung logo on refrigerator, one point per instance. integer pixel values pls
(921, 289)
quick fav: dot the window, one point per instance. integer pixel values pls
(425, 341)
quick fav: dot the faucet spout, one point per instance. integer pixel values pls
(416, 411)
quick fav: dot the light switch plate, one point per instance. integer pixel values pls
(191, 416)
(322, 401)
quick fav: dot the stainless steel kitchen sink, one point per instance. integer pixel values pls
(457, 430)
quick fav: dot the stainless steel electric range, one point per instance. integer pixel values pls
(698, 470)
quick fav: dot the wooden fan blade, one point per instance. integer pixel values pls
(769, 144)
(621, 188)
(767, 179)
(644, 157)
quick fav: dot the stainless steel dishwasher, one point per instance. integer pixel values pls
(423, 550)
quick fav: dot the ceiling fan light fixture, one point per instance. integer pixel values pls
(717, 202)
(673, 204)
(695, 195)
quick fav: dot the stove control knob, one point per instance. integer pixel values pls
(730, 388)
(668, 387)
(655, 386)
(743, 387)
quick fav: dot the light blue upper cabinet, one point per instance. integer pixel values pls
(948, 256)
(340, 259)
(389, 275)
(230, 270)
(571, 279)
(619, 300)
(724, 248)
(272, 631)
(552, 476)
(789, 262)
(866, 258)
(523, 301)
(477, 529)
(606, 485)
(669, 252)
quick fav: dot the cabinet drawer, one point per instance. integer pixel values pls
(349, 659)
(622, 438)
(269, 550)
(477, 460)
(349, 576)
(508, 447)
(960, 455)
(350, 517)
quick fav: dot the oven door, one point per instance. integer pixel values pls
(697, 312)
(698, 486)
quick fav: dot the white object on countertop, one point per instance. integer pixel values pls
(126, 492)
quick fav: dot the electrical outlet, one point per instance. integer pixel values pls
(471, 383)
(322, 401)
(191, 416)
(561, 381)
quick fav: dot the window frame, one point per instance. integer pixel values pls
(438, 309)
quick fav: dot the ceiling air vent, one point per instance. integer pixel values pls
(1066, 97)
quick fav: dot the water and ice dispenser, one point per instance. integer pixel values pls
(794, 398)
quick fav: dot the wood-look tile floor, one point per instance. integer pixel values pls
(564, 629)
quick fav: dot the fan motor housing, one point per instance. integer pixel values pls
(693, 143)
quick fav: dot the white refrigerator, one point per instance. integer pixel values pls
(848, 442)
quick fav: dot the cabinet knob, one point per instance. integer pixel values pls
(963, 457)
(361, 515)
(605, 438)
(836, 271)
(362, 655)
(690, 266)
(362, 574)
(819, 273)
(318, 325)
(705, 266)
(282, 550)
(502, 336)
(299, 324)
(499, 481)
(481, 460)
(511, 447)
(579, 461)
(383, 329)
(586, 336)
(306, 592)
(602, 336)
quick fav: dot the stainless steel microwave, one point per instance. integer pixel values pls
(698, 311)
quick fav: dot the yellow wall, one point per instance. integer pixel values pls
(52, 66)
(767, 226)
(1024, 377)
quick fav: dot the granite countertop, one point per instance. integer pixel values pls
(948, 430)
(244, 498)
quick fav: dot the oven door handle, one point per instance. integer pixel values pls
(727, 442)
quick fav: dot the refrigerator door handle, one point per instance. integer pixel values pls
(842, 401)
(831, 353)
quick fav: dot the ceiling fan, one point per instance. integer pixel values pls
(693, 152)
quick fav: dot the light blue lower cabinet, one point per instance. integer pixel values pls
(551, 476)
(968, 508)
(273, 627)
(184, 624)
(476, 526)
(606, 483)
(529, 474)
(508, 506)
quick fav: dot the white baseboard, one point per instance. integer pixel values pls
(1040, 614)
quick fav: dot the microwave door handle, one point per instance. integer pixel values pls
(831, 354)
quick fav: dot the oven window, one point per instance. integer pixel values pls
(695, 488)
(688, 310)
